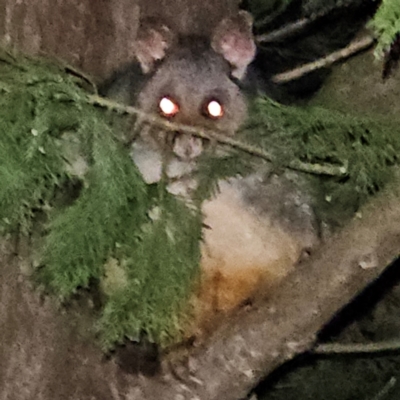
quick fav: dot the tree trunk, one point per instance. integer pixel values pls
(47, 353)
(97, 36)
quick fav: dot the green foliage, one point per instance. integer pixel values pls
(386, 25)
(366, 147)
(82, 235)
(31, 166)
(161, 264)
(53, 140)
(101, 224)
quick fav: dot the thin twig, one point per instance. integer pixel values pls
(358, 348)
(270, 17)
(7, 56)
(319, 169)
(297, 26)
(284, 32)
(353, 48)
(81, 75)
(382, 394)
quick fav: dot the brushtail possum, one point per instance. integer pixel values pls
(187, 79)
(257, 226)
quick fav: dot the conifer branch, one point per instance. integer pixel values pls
(318, 169)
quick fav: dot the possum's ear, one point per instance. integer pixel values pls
(233, 39)
(153, 40)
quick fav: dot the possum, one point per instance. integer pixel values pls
(188, 79)
(258, 227)
(194, 80)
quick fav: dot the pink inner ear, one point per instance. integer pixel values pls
(233, 39)
(237, 49)
(151, 45)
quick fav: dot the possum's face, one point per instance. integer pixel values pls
(192, 81)
(193, 87)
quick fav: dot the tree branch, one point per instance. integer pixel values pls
(245, 348)
(296, 26)
(392, 346)
(317, 169)
(353, 48)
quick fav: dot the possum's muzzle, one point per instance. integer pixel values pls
(186, 146)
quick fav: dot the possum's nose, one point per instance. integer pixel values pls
(187, 147)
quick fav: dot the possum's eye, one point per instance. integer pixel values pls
(168, 107)
(213, 109)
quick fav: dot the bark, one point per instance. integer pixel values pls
(94, 36)
(48, 353)
(97, 36)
